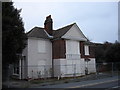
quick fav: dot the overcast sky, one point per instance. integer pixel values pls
(97, 20)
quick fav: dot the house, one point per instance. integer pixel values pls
(51, 53)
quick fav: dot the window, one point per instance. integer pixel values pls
(72, 50)
(41, 46)
(86, 50)
(16, 67)
(72, 47)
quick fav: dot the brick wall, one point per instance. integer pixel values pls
(91, 51)
(59, 49)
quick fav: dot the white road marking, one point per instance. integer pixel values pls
(93, 84)
(112, 88)
(116, 87)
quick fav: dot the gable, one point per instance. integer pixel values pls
(75, 34)
(60, 32)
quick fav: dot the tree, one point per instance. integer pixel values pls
(113, 53)
(13, 35)
(108, 52)
(99, 53)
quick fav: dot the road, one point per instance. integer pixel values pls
(106, 84)
(111, 82)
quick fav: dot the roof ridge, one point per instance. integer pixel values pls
(32, 29)
(66, 26)
(61, 31)
(56, 33)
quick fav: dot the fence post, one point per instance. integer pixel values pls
(8, 76)
(32, 74)
(74, 70)
(112, 69)
(97, 70)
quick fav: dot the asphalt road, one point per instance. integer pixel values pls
(112, 82)
(106, 84)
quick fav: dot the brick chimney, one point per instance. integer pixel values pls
(48, 25)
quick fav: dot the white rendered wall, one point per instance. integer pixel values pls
(75, 34)
(68, 68)
(92, 65)
(39, 57)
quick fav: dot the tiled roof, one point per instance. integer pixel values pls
(60, 32)
(40, 32)
(37, 32)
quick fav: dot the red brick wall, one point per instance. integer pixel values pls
(82, 49)
(59, 49)
(91, 51)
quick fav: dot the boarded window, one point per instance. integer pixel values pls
(41, 46)
(72, 47)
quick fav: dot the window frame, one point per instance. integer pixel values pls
(86, 50)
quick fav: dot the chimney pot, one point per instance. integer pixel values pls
(48, 17)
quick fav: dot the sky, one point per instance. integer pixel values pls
(97, 20)
(119, 22)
